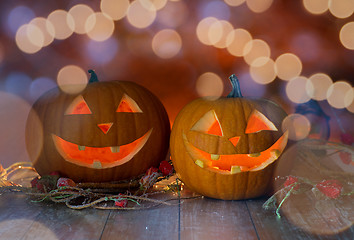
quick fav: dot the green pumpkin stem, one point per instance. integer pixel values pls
(93, 77)
(236, 90)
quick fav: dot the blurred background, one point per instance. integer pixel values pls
(296, 53)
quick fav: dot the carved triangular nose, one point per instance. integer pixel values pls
(105, 127)
(234, 140)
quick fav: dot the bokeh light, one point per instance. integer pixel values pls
(80, 14)
(259, 6)
(139, 16)
(297, 125)
(318, 85)
(350, 108)
(153, 5)
(101, 52)
(218, 33)
(173, 14)
(340, 94)
(167, 43)
(342, 8)
(72, 79)
(115, 9)
(209, 85)
(12, 128)
(346, 35)
(288, 66)
(237, 40)
(297, 90)
(255, 49)
(63, 24)
(264, 72)
(17, 17)
(216, 9)
(99, 27)
(315, 6)
(47, 32)
(23, 40)
(18, 83)
(234, 3)
(203, 28)
(39, 86)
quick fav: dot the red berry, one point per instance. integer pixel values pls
(330, 188)
(345, 157)
(166, 168)
(347, 138)
(65, 182)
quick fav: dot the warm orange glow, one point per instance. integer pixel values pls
(234, 140)
(209, 124)
(127, 104)
(215, 129)
(78, 107)
(105, 127)
(233, 163)
(258, 122)
(99, 157)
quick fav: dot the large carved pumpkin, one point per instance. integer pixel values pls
(109, 131)
(227, 148)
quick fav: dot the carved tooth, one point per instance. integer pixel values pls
(115, 149)
(81, 148)
(235, 169)
(275, 152)
(199, 163)
(214, 156)
(97, 164)
(254, 154)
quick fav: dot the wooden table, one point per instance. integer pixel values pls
(200, 218)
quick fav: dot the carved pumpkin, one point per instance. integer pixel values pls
(109, 131)
(227, 148)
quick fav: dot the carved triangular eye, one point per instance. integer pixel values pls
(78, 106)
(209, 124)
(127, 104)
(258, 122)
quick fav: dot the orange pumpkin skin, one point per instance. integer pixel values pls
(97, 130)
(233, 116)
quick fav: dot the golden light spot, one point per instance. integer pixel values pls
(237, 40)
(103, 26)
(315, 6)
(234, 3)
(318, 85)
(203, 28)
(296, 90)
(80, 14)
(209, 85)
(346, 35)
(340, 94)
(259, 6)
(115, 9)
(153, 5)
(342, 8)
(166, 43)
(264, 72)
(72, 79)
(23, 41)
(288, 66)
(218, 33)
(140, 17)
(350, 108)
(63, 24)
(255, 49)
(47, 30)
(297, 125)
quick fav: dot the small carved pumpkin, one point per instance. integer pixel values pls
(226, 148)
(109, 131)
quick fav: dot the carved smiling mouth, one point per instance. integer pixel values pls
(99, 157)
(235, 163)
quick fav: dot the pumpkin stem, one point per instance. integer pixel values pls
(236, 90)
(93, 77)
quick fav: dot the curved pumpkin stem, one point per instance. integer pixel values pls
(93, 77)
(236, 90)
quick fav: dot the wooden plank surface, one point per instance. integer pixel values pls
(206, 218)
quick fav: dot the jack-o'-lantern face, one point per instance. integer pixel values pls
(100, 157)
(109, 131)
(223, 154)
